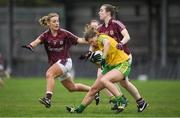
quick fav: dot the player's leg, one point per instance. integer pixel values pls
(107, 92)
(110, 78)
(97, 86)
(99, 71)
(130, 88)
(69, 84)
(97, 96)
(116, 74)
(57, 69)
(51, 74)
(112, 98)
(108, 81)
(141, 103)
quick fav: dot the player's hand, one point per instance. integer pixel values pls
(29, 47)
(119, 46)
(95, 58)
(85, 56)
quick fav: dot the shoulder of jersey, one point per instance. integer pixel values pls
(117, 22)
(64, 30)
(100, 25)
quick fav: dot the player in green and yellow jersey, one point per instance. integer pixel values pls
(115, 67)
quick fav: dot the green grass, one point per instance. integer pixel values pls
(19, 97)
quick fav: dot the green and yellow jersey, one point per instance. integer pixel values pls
(114, 55)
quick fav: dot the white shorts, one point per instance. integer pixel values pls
(66, 67)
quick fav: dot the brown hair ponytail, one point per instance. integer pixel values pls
(112, 9)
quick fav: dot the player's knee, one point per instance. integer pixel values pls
(72, 89)
(103, 81)
(93, 90)
(124, 83)
(49, 75)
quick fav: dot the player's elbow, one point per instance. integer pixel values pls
(107, 43)
(127, 37)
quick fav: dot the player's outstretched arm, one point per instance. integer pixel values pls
(82, 41)
(28, 46)
(32, 45)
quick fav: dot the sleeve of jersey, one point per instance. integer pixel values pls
(43, 37)
(120, 25)
(72, 38)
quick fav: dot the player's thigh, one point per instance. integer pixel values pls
(124, 82)
(113, 76)
(54, 70)
(68, 83)
(98, 84)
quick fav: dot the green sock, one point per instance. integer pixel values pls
(120, 99)
(80, 108)
(113, 99)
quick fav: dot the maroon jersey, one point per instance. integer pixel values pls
(58, 47)
(114, 29)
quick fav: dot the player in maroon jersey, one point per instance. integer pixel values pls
(57, 42)
(118, 31)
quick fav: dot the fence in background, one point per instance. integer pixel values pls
(145, 46)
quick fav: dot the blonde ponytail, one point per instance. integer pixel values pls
(45, 19)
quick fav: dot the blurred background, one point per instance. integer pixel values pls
(154, 28)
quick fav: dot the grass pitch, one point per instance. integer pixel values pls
(19, 98)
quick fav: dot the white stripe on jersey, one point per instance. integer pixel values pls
(100, 25)
(118, 23)
(69, 32)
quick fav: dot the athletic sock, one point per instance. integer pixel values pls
(120, 99)
(80, 108)
(49, 94)
(112, 99)
(140, 101)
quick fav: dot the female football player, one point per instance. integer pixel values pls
(118, 31)
(57, 42)
(115, 67)
(95, 24)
